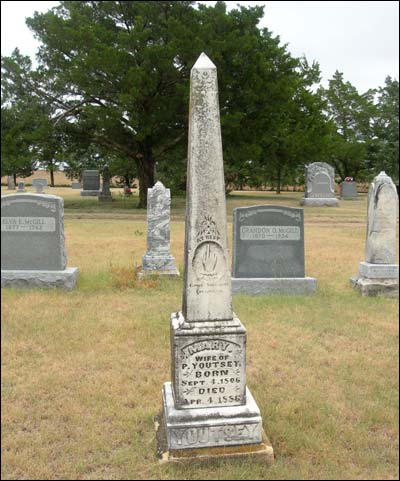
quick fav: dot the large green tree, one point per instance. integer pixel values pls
(352, 115)
(383, 151)
(117, 76)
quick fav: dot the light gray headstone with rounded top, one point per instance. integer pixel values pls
(320, 185)
(33, 243)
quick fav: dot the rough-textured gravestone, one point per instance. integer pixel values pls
(76, 185)
(90, 183)
(268, 251)
(105, 193)
(320, 185)
(38, 181)
(21, 187)
(379, 274)
(158, 259)
(348, 190)
(10, 183)
(32, 242)
(207, 406)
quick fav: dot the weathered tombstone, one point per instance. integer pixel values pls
(320, 185)
(158, 259)
(39, 188)
(21, 187)
(105, 193)
(38, 181)
(32, 242)
(76, 185)
(207, 406)
(348, 190)
(10, 183)
(268, 251)
(90, 183)
(379, 274)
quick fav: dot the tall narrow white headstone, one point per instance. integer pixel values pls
(207, 405)
(379, 274)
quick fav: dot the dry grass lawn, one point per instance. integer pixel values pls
(82, 371)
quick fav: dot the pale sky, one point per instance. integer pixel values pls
(358, 38)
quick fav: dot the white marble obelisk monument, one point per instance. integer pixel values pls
(207, 406)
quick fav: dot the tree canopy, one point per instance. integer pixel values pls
(112, 86)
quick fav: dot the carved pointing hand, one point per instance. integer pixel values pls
(209, 260)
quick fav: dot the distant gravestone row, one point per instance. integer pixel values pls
(32, 242)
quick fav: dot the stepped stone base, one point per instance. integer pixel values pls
(315, 202)
(282, 285)
(158, 265)
(378, 271)
(146, 273)
(93, 193)
(205, 433)
(65, 279)
(376, 287)
(105, 198)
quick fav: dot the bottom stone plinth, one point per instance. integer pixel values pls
(163, 265)
(90, 192)
(282, 285)
(65, 279)
(146, 273)
(204, 433)
(315, 202)
(378, 271)
(376, 287)
(105, 198)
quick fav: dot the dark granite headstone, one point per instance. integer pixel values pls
(268, 242)
(348, 190)
(32, 242)
(32, 232)
(90, 182)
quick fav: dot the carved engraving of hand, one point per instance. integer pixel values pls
(209, 260)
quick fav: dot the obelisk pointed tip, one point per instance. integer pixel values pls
(203, 62)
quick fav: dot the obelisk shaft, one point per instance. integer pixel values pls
(207, 283)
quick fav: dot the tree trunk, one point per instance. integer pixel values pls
(278, 182)
(52, 177)
(146, 166)
(15, 178)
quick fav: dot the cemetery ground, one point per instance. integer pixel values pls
(82, 371)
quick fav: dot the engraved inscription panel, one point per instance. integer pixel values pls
(31, 224)
(227, 434)
(269, 232)
(210, 371)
